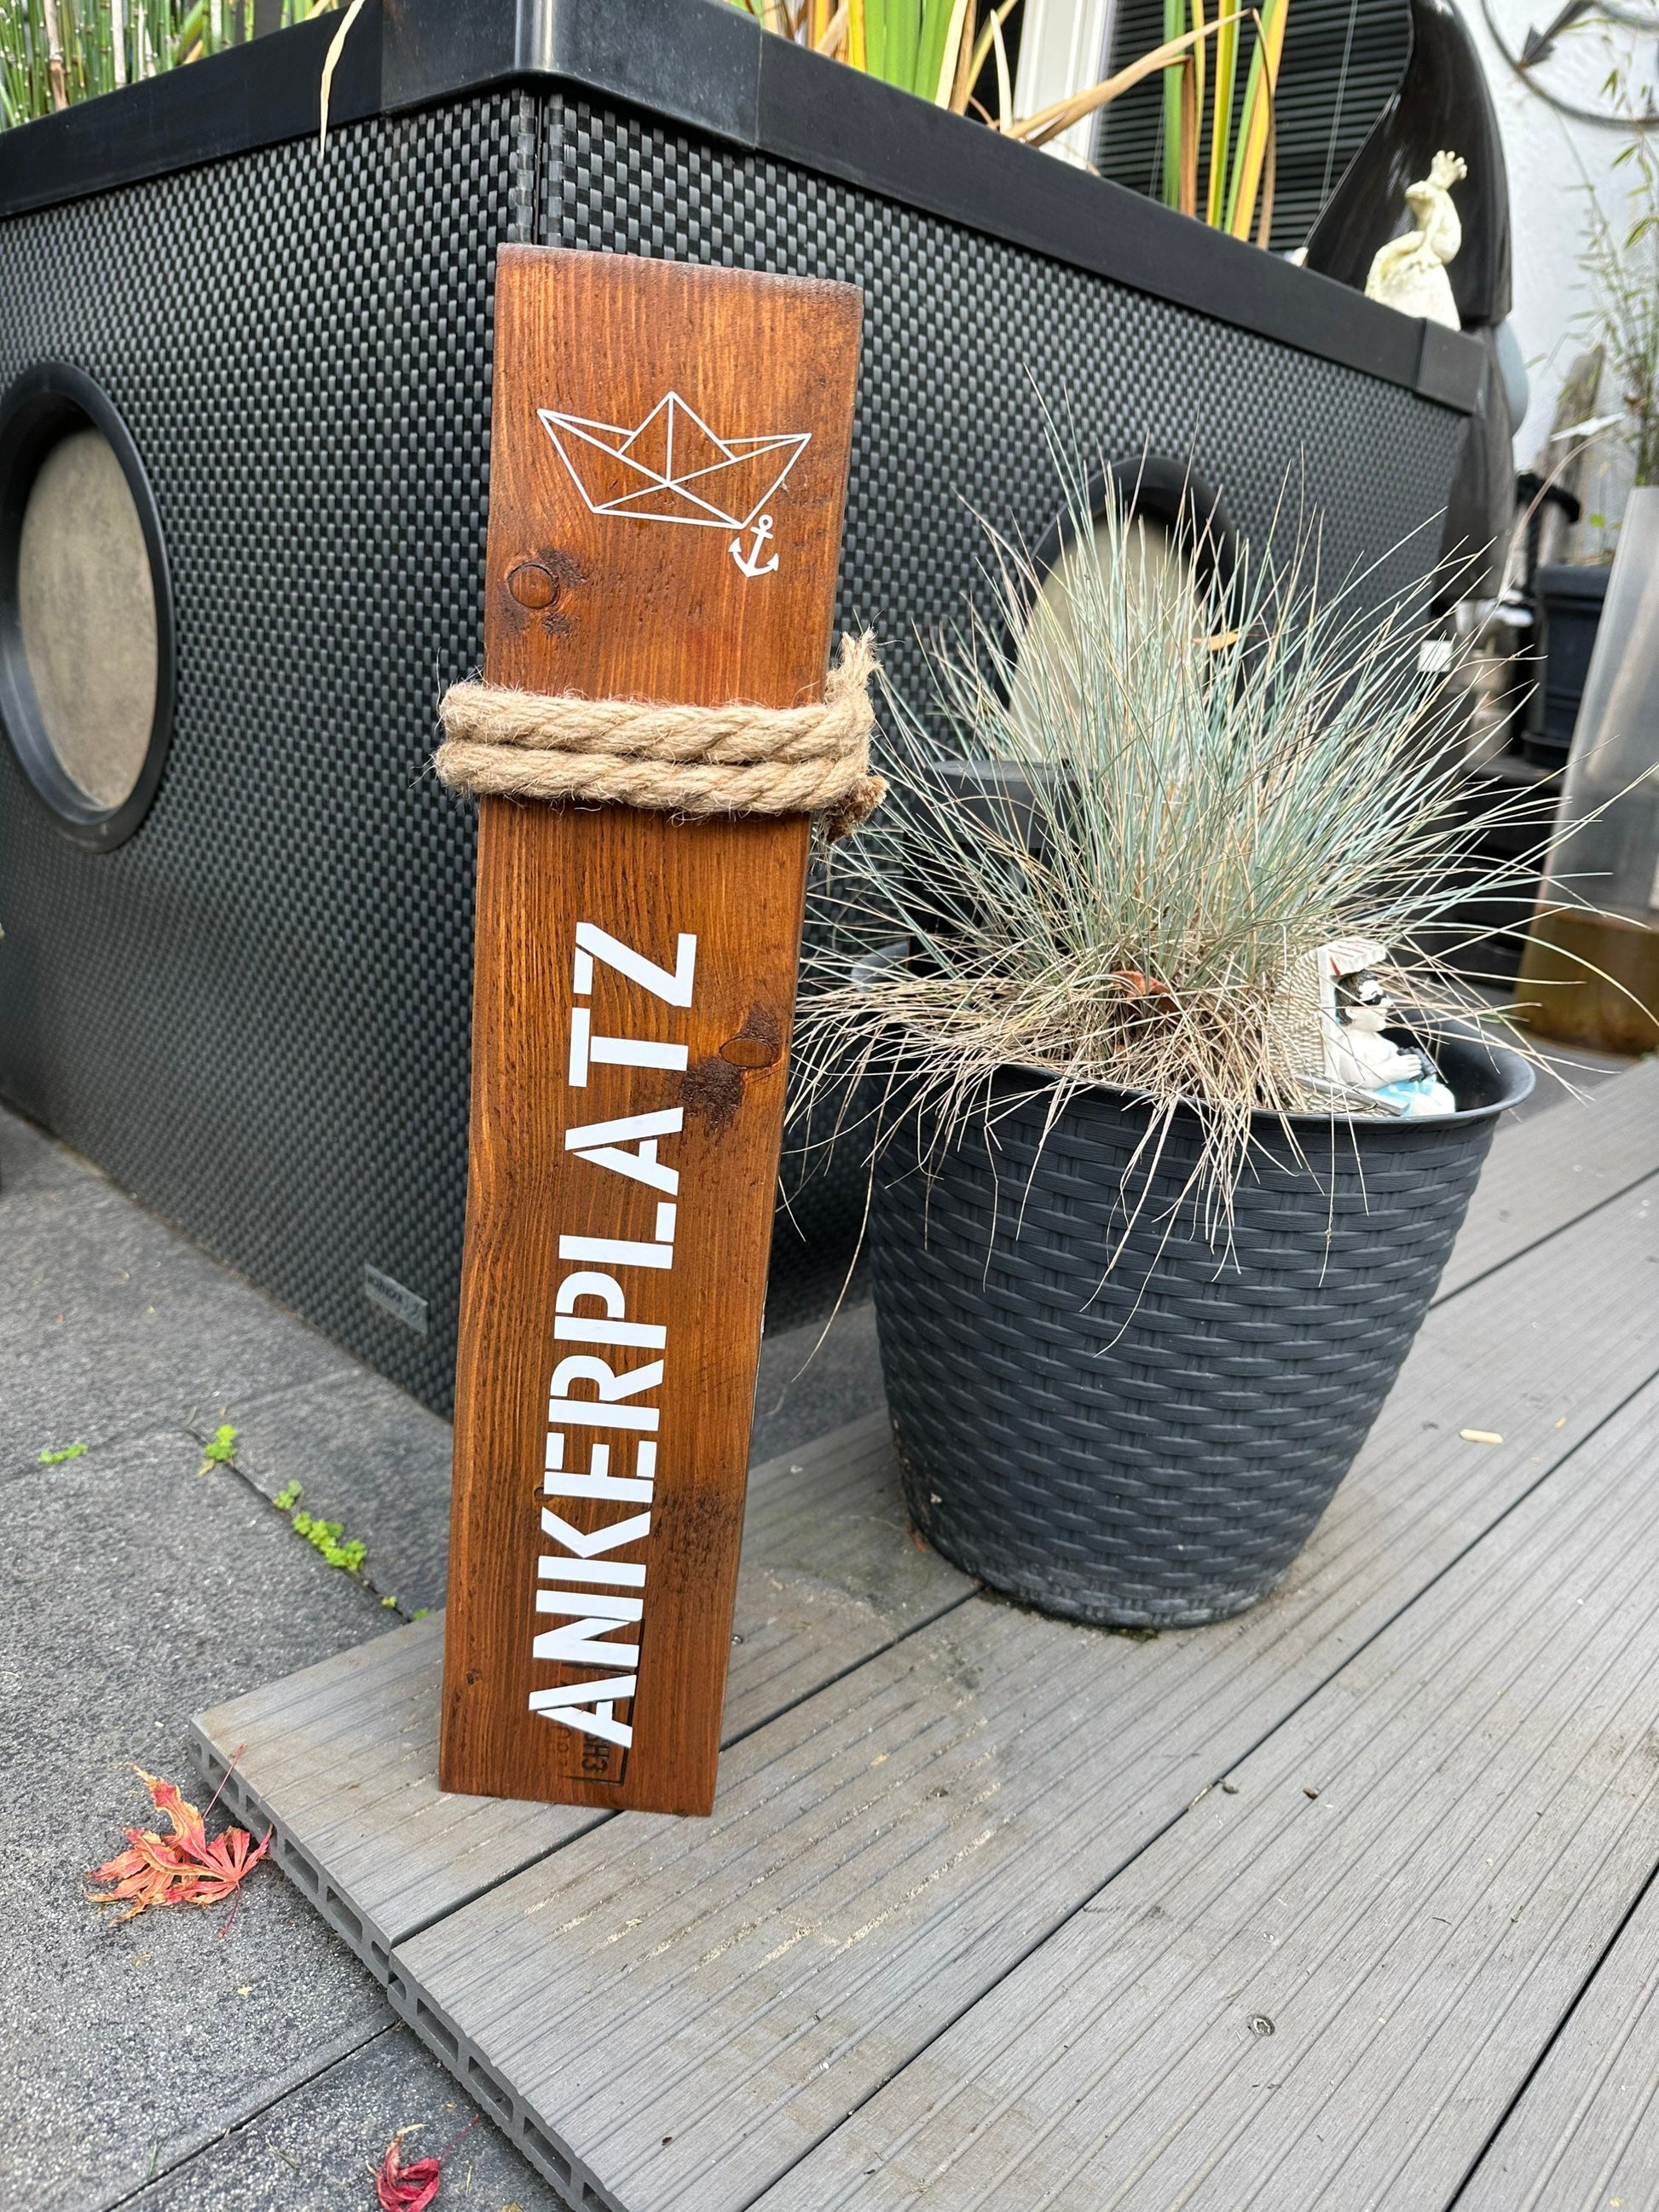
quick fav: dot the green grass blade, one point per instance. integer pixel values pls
(1175, 22)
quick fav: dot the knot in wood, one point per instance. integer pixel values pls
(734, 759)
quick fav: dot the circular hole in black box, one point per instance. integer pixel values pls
(86, 616)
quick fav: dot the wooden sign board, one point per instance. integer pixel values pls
(668, 467)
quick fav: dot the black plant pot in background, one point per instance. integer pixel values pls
(1569, 601)
(1152, 1447)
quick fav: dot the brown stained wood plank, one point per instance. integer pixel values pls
(884, 1855)
(1585, 2133)
(1324, 1986)
(342, 1756)
(605, 581)
(1553, 1167)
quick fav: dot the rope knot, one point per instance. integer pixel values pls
(734, 759)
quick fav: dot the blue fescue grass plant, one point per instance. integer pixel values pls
(1222, 778)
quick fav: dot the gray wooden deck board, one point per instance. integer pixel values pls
(1547, 1170)
(1418, 1872)
(342, 1758)
(683, 2010)
(1585, 2132)
(348, 1751)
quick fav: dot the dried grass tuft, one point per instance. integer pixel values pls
(1223, 778)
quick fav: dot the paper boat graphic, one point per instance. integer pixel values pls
(672, 468)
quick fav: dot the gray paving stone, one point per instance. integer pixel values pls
(110, 1325)
(367, 1455)
(132, 1592)
(805, 1389)
(310, 2152)
(198, 2071)
(30, 1160)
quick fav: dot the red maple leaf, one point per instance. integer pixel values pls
(224, 1864)
(411, 2188)
(185, 1867)
(147, 1873)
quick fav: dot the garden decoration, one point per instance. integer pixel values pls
(1162, 1186)
(1365, 1059)
(668, 465)
(1409, 273)
(1360, 1057)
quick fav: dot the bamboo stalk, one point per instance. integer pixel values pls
(55, 55)
(857, 35)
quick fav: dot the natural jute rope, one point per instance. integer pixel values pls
(677, 760)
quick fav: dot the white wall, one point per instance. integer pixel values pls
(1545, 149)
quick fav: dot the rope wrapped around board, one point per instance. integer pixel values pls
(673, 759)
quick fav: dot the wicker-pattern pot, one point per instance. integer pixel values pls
(1152, 1447)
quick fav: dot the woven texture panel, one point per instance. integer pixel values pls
(1147, 1440)
(255, 1013)
(966, 338)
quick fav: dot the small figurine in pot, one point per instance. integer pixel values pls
(1358, 1055)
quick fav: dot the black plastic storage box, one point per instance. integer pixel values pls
(251, 1005)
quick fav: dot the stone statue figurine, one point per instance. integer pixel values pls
(1409, 273)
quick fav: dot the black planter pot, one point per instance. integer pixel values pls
(1152, 1448)
(1570, 600)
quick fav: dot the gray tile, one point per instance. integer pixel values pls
(110, 1325)
(132, 1593)
(30, 1160)
(311, 2151)
(807, 1387)
(368, 1456)
(371, 1458)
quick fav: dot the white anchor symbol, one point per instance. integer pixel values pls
(754, 566)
